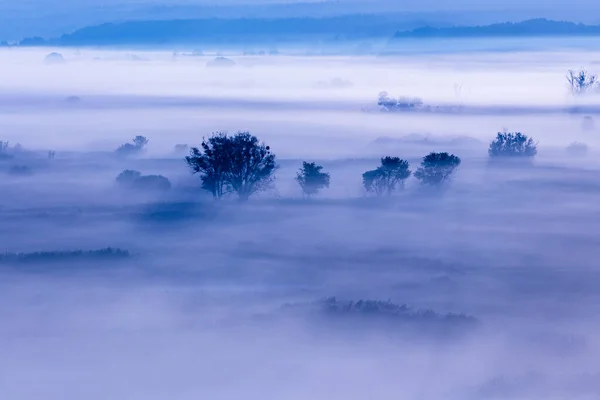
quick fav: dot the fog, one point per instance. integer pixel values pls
(224, 299)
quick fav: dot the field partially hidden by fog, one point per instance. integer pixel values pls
(487, 289)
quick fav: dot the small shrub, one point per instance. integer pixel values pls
(128, 176)
(437, 168)
(311, 178)
(135, 180)
(515, 145)
(181, 149)
(588, 123)
(390, 104)
(138, 145)
(221, 62)
(54, 58)
(577, 149)
(387, 177)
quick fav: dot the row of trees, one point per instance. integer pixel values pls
(242, 165)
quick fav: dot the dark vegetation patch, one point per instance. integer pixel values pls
(374, 315)
(106, 254)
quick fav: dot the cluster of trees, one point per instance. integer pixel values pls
(242, 165)
(435, 170)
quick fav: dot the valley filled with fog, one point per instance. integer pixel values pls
(485, 288)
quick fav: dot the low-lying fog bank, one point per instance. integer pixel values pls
(151, 289)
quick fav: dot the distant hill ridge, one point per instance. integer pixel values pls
(532, 27)
(271, 31)
(240, 30)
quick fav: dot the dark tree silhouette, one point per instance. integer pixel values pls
(127, 177)
(152, 183)
(132, 179)
(436, 168)
(139, 142)
(311, 178)
(390, 175)
(514, 145)
(237, 163)
(211, 161)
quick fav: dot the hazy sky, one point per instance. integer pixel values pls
(51, 18)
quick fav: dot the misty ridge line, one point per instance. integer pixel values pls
(339, 29)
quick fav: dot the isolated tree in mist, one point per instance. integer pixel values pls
(311, 178)
(140, 141)
(436, 168)
(238, 163)
(582, 82)
(390, 175)
(512, 145)
(138, 144)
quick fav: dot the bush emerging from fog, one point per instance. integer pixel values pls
(437, 168)
(135, 180)
(221, 62)
(181, 148)
(152, 183)
(105, 254)
(587, 124)
(390, 104)
(389, 176)
(233, 164)
(512, 145)
(312, 179)
(128, 176)
(577, 149)
(136, 147)
(54, 58)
